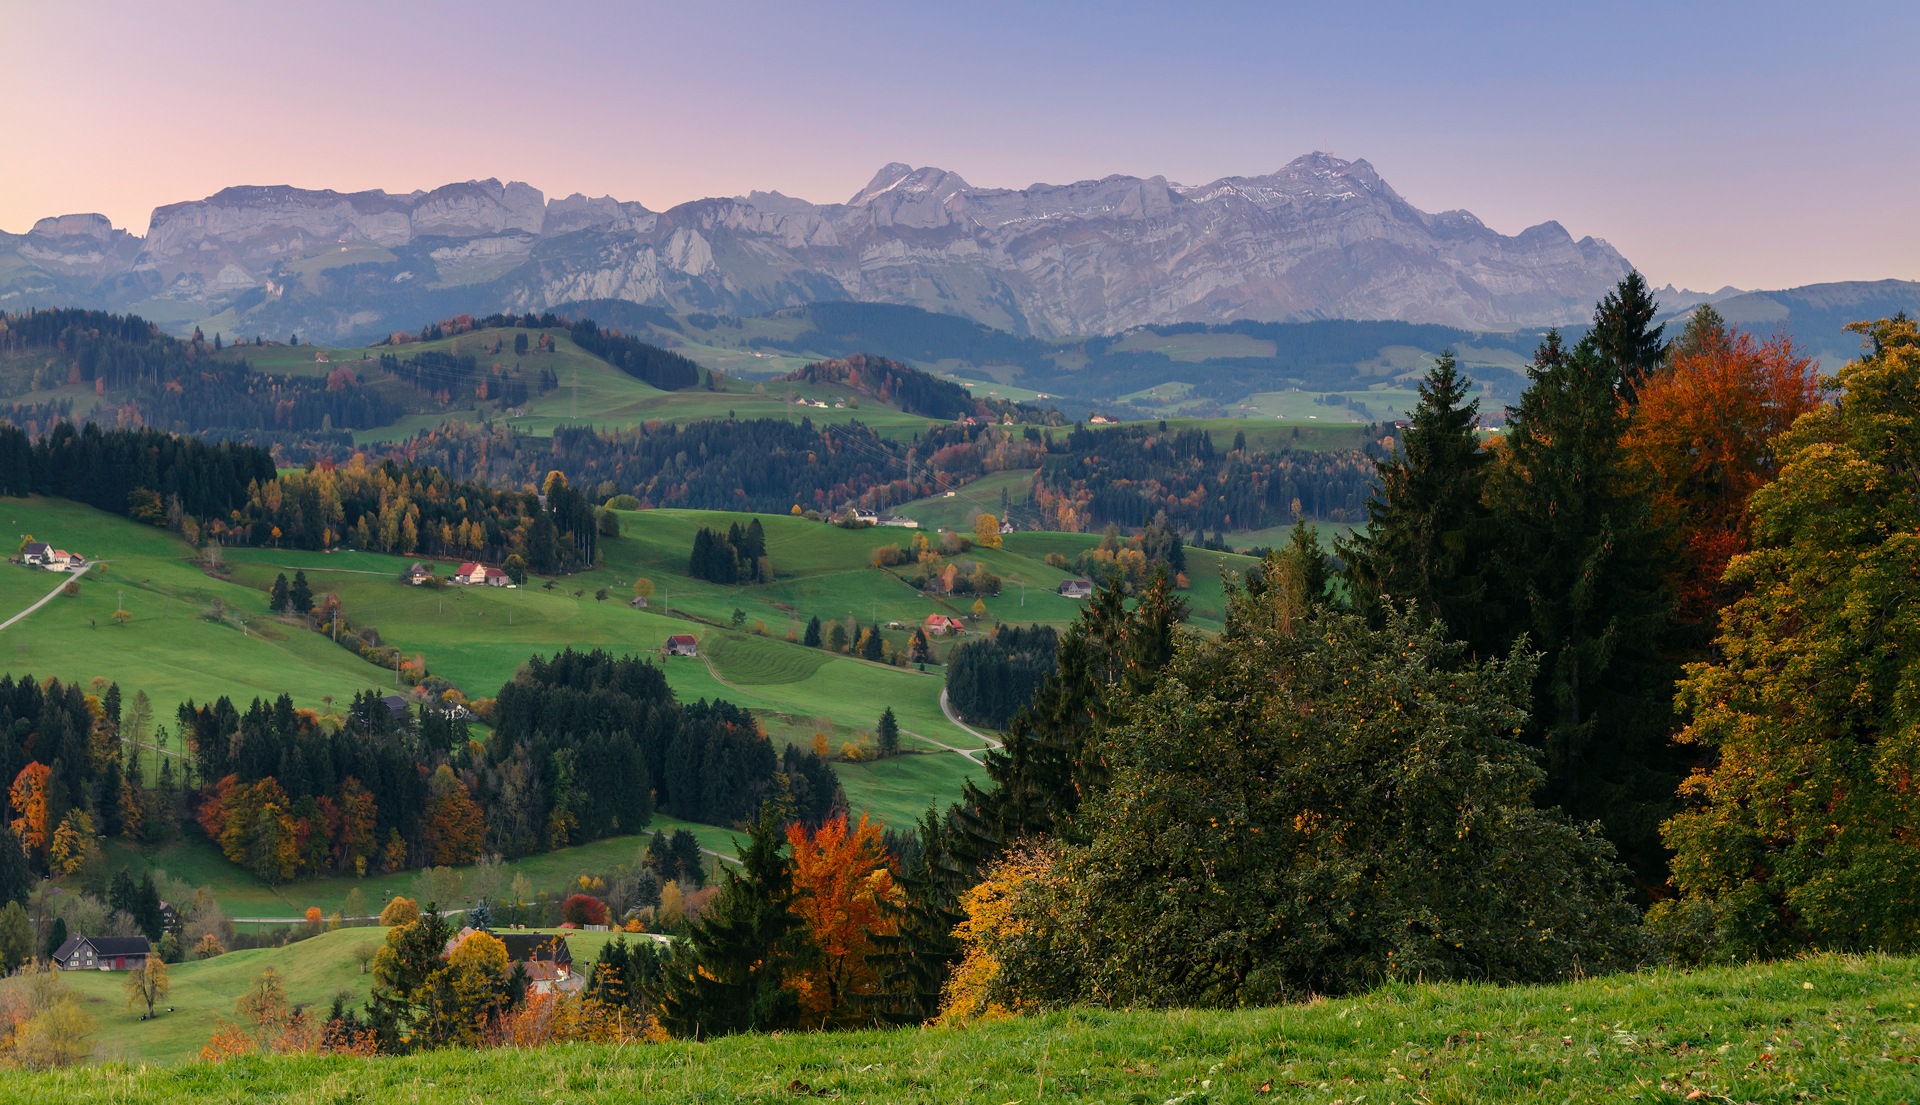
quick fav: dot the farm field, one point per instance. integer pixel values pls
(1837, 1027)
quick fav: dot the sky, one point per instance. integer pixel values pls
(1759, 145)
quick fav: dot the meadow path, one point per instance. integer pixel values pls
(84, 569)
(947, 708)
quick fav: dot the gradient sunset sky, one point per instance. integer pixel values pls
(1763, 145)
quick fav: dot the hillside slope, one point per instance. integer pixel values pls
(1828, 1028)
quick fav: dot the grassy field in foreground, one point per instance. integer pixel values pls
(1828, 1028)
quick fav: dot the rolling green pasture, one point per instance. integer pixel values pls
(968, 501)
(171, 647)
(1825, 1028)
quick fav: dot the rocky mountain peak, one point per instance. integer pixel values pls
(75, 226)
(899, 177)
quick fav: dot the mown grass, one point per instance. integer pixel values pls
(1829, 1028)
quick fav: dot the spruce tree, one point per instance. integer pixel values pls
(1044, 770)
(152, 921)
(1429, 532)
(300, 596)
(874, 648)
(730, 973)
(16, 878)
(1580, 561)
(812, 638)
(889, 734)
(1621, 336)
(277, 597)
(915, 960)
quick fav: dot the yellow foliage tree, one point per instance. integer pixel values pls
(976, 990)
(400, 911)
(986, 531)
(71, 843)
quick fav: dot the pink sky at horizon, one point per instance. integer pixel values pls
(1763, 146)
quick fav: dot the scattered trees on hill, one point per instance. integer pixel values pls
(740, 556)
(906, 387)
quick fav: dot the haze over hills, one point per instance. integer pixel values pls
(1320, 238)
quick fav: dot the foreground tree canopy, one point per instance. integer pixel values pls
(1307, 805)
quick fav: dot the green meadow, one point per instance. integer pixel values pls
(1827, 1028)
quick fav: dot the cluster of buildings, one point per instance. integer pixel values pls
(39, 554)
(472, 574)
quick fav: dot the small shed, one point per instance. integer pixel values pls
(683, 644)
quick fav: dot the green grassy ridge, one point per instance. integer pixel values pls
(1824, 1028)
(591, 391)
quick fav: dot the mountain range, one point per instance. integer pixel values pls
(1320, 238)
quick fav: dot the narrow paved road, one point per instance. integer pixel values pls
(84, 569)
(968, 753)
(947, 708)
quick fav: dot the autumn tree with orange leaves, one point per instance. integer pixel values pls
(28, 794)
(1705, 427)
(841, 875)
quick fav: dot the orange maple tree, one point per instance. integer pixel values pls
(29, 796)
(456, 827)
(841, 874)
(1705, 428)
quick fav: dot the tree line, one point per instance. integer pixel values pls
(583, 746)
(737, 556)
(992, 678)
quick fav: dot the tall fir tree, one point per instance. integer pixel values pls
(730, 973)
(1429, 533)
(887, 734)
(300, 595)
(1622, 336)
(16, 878)
(915, 960)
(277, 597)
(812, 638)
(1044, 770)
(1580, 562)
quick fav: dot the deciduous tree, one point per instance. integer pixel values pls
(1799, 829)
(841, 875)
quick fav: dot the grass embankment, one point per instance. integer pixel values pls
(1828, 1028)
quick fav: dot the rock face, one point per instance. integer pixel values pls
(1320, 238)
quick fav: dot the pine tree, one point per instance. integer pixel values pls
(1580, 559)
(874, 648)
(889, 734)
(837, 640)
(915, 960)
(300, 596)
(812, 638)
(16, 878)
(1621, 338)
(277, 598)
(1043, 771)
(152, 921)
(730, 973)
(1429, 532)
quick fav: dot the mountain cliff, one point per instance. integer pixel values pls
(1320, 238)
